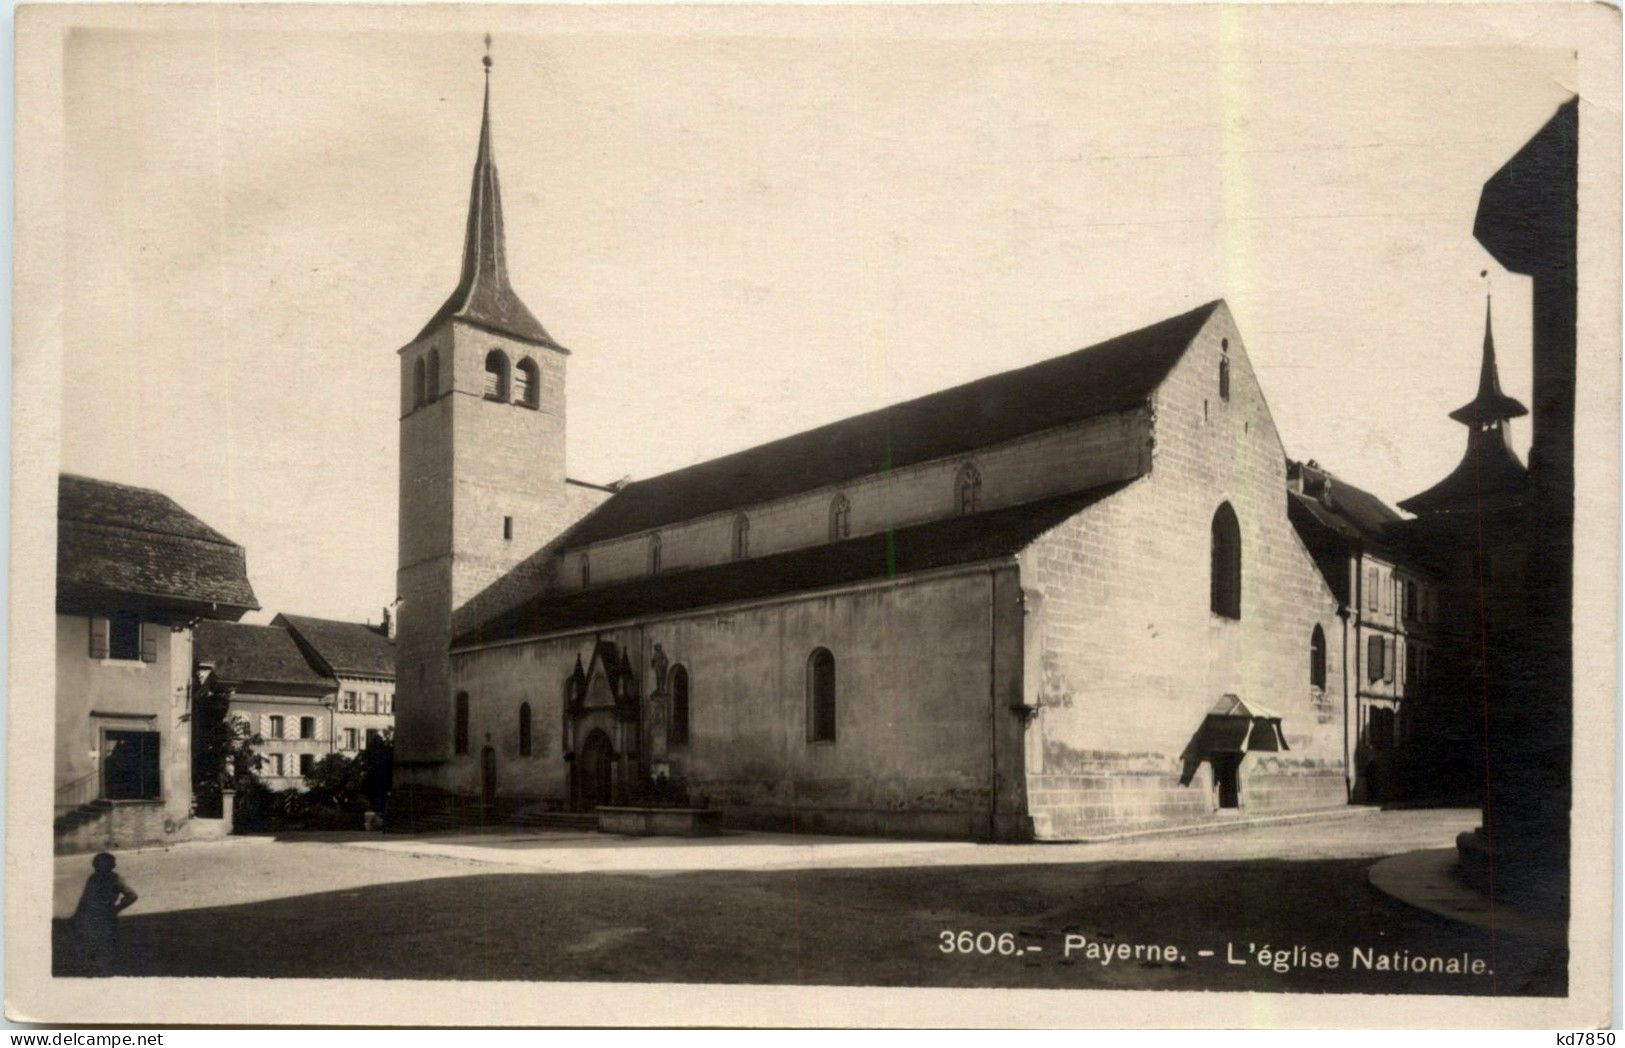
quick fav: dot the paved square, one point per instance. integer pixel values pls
(761, 908)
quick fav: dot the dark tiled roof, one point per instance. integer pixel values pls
(483, 295)
(1489, 471)
(344, 649)
(939, 544)
(1114, 375)
(114, 539)
(246, 654)
(1333, 504)
(1308, 511)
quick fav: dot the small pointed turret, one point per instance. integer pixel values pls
(1491, 405)
(484, 296)
(1490, 468)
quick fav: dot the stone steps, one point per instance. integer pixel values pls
(88, 812)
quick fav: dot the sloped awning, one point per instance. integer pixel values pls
(1232, 727)
(1235, 726)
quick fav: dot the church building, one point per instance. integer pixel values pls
(1058, 602)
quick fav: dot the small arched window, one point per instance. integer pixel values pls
(821, 696)
(527, 384)
(840, 518)
(654, 553)
(1224, 370)
(417, 383)
(1317, 658)
(524, 729)
(678, 735)
(431, 382)
(496, 375)
(741, 544)
(586, 571)
(460, 724)
(1226, 566)
(968, 488)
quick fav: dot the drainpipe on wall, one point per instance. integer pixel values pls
(993, 700)
(1351, 700)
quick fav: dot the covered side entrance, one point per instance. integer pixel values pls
(1231, 730)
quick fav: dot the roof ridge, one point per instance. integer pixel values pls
(1113, 375)
(1069, 354)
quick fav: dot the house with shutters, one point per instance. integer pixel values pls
(360, 658)
(136, 574)
(1387, 608)
(267, 682)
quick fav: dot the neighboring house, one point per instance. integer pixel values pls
(1388, 602)
(1061, 601)
(135, 572)
(270, 685)
(360, 657)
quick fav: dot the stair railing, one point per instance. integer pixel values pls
(80, 791)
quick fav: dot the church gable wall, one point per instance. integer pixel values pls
(1124, 654)
(1089, 453)
(913, 750)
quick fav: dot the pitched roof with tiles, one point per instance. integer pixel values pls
(923, 547)
(343, 649)
(244, 654)
(1115, 375)
(116, 540)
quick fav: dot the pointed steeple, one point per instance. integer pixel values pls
(1490, 468)
(484, 296)
(1491, 405)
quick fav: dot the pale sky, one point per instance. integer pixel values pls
(745, 225)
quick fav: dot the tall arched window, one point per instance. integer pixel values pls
(678, 735)
(586, 571)
(654, 553)
(968, 488)
(527, 384)
(496, 375)
(1317, 658)
(417, 383)
(460, 724)
(840, 519)
(741, 545)
(431, 383)
(821, 696)
(1226, 574)
(1224, 370)
(524, 729)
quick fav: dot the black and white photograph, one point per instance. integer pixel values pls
(896, 504)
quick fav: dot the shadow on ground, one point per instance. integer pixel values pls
(855, 927)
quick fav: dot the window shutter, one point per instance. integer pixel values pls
(98, 638)
(1388, 645)
(1373, 658)
(149, 642)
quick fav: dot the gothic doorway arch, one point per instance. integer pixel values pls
(593, 776)
(488, 777)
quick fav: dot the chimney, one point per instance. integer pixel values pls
(389, 623)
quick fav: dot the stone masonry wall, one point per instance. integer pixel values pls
(918, 668)
(1124, 656)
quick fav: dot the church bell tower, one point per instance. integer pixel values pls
(481, 463)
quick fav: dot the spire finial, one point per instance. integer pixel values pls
(487, 59)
